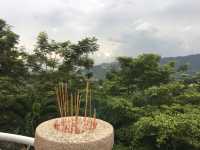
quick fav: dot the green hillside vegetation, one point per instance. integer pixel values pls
(152, 106)
(191, 62)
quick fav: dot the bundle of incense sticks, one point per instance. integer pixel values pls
(69, 108)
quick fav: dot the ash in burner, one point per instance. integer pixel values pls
(75, 125)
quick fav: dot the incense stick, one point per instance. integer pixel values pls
(90, 99)
(67, 96)
(86, 98)
(69, 104)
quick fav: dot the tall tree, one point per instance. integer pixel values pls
(39, 60)
(11, 63)
(140, 73)
(77, 55)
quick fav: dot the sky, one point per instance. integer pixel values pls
(122, 27)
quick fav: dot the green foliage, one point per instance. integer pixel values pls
(158, 95)
(168, 132)
(151, 106)
(139, 73)
(163, 110)
(120, 147)
(12, 105)
(117, 110)
(27, 81)
(10, 62)
(77, 54)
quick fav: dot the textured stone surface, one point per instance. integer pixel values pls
(48, 138)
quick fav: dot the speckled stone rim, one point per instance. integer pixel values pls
(47, 137)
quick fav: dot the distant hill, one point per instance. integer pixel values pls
(193, 61)
(99, 71)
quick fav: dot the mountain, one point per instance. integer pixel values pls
(193, 61)
(99, 71)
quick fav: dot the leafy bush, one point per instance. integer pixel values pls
(167, 132)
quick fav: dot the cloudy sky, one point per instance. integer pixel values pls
(123, 27)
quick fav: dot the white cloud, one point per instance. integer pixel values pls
(187, 28)
(123, 27)
(143, 27)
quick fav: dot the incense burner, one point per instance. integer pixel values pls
(72, 131)
(66, 137)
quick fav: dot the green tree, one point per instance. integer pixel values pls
(140, 73)
(164, 132)
(11, 63)
(77, 55)
(39, 61)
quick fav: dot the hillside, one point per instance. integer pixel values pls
(193, 61)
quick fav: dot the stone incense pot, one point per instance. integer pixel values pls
(74, 133)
